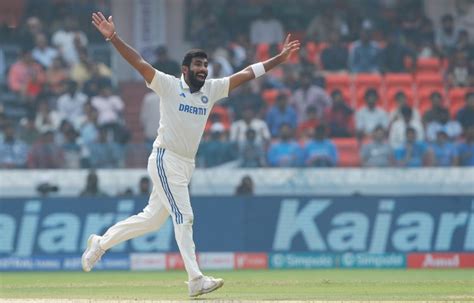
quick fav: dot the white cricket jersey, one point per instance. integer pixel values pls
(184, 115)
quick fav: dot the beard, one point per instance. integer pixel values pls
(194, 81)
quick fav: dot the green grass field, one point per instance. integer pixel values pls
(246, 285)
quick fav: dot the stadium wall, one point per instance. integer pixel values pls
(268, 181)
(254, 232)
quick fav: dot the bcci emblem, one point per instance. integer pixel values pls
(204, 99)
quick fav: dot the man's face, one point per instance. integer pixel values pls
(441, 137)
(448, 25)
(401, 99)
(371, 100)
(379, 135)
(470, 101)
(285, 132)
(411, 136)
(436, 100)
(197, 72)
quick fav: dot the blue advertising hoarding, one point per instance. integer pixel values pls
(358, 228)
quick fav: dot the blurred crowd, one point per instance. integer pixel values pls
(316, 111)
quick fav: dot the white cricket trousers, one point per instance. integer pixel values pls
(170, 174)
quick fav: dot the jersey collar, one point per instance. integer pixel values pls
(184, 85)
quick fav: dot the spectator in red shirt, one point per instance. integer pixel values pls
(306, 128)
(340, 117)
(26, 77)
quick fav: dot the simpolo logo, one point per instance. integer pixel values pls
(363, 260)
(301, 260)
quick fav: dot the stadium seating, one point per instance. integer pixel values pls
(398, 80)
(429, 80)
(429, 65)
(348, 150)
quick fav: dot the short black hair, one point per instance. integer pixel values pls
(371, 92)
(193, 53)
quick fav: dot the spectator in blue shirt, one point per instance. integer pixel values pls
(465, 116)
(466, 149)
(285, 152)
(13, 152)
(104, 153)
(444, 152)
(413, 153)
(217, 149)
(364, 54)
(251, 152)
(320, 151)
(281, 113)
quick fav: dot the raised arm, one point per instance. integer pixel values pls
(248, 74)
(107, 29)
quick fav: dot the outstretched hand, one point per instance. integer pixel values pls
(105, 27)
(289, 47)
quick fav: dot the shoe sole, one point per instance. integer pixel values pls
(206, 291)
(83, 259)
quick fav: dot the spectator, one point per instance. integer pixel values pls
(238, 130)
(266, 29)
(309, 94)
(71, 103)
(45, 153)
(144, 186)
(219, 65)
(413, 153)
(402, 101)
(245, 187)
(88, 126)
(364, 54)
(110, 108)
(216, 150)
(150, 117)
(447, 35)
(398, 129)
(251, 152)
(279, 114)
(320, 152)
(437, 109)
(395, 56)
(71, 150)
(324, 24)
(452, 128)
(245, 97)
(42, 52)
(335, 57)
(285, 152)
(463, 45)
(13, 151)
(46, 119)
(377, 153)
(85, 68)
(103, 153)
(340, 117)
(33, 27)
(444, 152)
(92, 186)
(306, 128)
(56, 74)
(368, 117)
(459, 73)
(99, 76)
(165, 64)
(465, 116)
(27, 131)
(466, 148)
(26, 77)
(69, 39)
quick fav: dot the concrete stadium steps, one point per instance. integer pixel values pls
(132, 94)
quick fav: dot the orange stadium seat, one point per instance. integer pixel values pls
(262, 52)
(398, 79)
(457, 95)
(348, 150)
(454, 109)
(368, 80)
(340, 81)
(429, 80)
(429, 65)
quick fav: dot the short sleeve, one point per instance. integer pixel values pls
(219, 89)
(161, 83)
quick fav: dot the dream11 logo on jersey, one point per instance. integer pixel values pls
(327, 226)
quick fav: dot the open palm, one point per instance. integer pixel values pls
(105, 27)
(289, 48)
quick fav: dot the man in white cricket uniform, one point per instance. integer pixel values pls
(185, 106)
